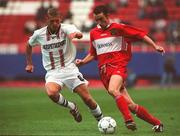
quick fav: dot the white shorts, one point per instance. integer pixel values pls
(68, 76)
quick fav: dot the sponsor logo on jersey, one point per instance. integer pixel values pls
(108, 44)
(104, 45)
(54, 45)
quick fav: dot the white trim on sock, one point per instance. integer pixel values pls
(97, 113)
(65, 103)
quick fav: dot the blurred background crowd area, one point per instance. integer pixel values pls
(19, 18)
(160, 18)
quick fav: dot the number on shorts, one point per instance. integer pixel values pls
(80, 77)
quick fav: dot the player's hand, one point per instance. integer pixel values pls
(78, 35)
(78, 62)
(160, 49)
(29, 68)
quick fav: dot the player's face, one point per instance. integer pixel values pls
(101, 20)
(54, 22)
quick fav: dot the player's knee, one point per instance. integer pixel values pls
(132, 107)
(113, 92)
(53, 96)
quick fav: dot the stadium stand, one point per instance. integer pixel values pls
(16, 15)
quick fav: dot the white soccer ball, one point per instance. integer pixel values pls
(107, 125)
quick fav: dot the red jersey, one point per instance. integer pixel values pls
(113, 45)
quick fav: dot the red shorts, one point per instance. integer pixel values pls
(107, 70)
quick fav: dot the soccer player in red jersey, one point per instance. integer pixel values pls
(111, 46)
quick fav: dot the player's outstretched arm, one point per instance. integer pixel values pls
(87, 59)
(149, 41)
(77, 35)
(29, 66)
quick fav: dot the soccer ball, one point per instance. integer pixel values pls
(107, 125)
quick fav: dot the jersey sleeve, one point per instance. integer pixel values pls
(71, 29)
(132, 32)
(33, 39)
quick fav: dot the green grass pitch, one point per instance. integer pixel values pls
(30, 112)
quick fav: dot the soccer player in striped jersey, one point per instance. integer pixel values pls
(111, 46)
(58, 55)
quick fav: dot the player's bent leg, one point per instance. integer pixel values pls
(131, 104)
(74, 111)
(83, 92)
(52, 90)
(142, 113)
(115, 85)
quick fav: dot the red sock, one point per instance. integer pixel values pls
(143, 114)
(123, 107)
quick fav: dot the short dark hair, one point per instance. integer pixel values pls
(53, 12)
(101, 9)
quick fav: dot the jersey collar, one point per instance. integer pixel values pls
(98, 26)
(48, 33)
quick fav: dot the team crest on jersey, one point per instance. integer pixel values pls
(114, 31)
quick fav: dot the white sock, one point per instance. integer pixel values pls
(65, 103)
(97, 113)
